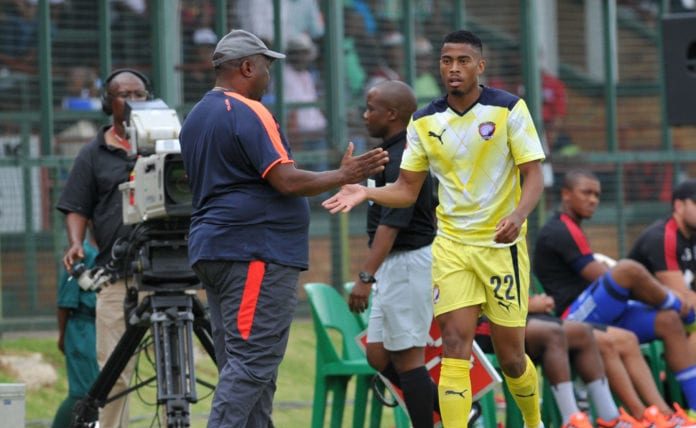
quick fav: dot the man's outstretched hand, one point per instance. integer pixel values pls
(357, 168)
(349, 196)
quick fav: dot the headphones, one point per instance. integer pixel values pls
(106, 98)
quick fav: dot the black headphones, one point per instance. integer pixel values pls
(106, 97)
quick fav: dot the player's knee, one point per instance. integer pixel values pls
(582, 335)
(626, 340)
(668, 323)
(456, 342)
(628, 273)
(377, 362)
(555, 337)
(513, 365)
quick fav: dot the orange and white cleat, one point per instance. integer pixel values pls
(623, 421)
(578, 420)
(654, 418)
(681, 418)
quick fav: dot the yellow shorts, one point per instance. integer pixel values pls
(497, 279)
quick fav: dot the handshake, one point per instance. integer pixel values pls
(90, 279)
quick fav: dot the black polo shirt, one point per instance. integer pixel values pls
(417, 222)
(662, 247)
(560, 254)
(92, 191)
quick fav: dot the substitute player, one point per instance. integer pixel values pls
(625, 295)
(478, 142)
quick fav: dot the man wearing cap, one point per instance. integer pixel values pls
(248, 238)
(625, 296)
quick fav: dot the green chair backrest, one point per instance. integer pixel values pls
(330, 311)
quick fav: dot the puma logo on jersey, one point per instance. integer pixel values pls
(459, 393)
(439, 137)
(504, 305)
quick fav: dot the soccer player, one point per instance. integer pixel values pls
(666, 248)
(478, 142)
(625, 296)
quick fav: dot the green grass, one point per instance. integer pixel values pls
(293, 399)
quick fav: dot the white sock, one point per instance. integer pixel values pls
(565, 399)
(603, 401)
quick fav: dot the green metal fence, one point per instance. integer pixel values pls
(604, 55)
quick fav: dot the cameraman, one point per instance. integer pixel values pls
(91, 193)
(249, 238)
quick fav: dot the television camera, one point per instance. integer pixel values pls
(154, 258)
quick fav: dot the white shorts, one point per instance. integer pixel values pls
(402, 305)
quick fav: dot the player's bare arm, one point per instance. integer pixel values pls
(76, 225)
(508, 229)
(381, 246)
(403, 193)
(593, 270)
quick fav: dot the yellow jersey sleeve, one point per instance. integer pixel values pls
(415, 157)
(522, 136)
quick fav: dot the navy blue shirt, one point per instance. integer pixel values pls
(229, 143)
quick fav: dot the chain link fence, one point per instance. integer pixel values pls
(624, 139)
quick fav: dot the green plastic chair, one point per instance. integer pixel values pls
(334, 369)
(667, 384)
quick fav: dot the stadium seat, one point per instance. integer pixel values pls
(667, 384)
(334, 369)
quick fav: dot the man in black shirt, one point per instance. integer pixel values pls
(91, 194)
(398, 263)
(667, 248)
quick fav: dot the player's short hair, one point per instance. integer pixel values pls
(464, 36)
(571, 177)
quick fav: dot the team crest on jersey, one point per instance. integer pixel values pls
(486, 130)
(436, 294)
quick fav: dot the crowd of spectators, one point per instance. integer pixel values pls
(373, 51)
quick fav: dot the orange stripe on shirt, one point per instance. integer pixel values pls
(252, 289)
(268, 123)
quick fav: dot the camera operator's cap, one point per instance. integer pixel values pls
(685, 190)
(239, 44)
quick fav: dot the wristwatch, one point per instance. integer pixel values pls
(366, 278)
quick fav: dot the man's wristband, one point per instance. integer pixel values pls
(366, 278)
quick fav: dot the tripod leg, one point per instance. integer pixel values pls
(87, 410)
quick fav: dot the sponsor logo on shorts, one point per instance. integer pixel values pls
(436, 294)
(504, 305)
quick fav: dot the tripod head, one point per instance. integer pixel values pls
(158, 255)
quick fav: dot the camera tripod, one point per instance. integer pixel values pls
(173, 314)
